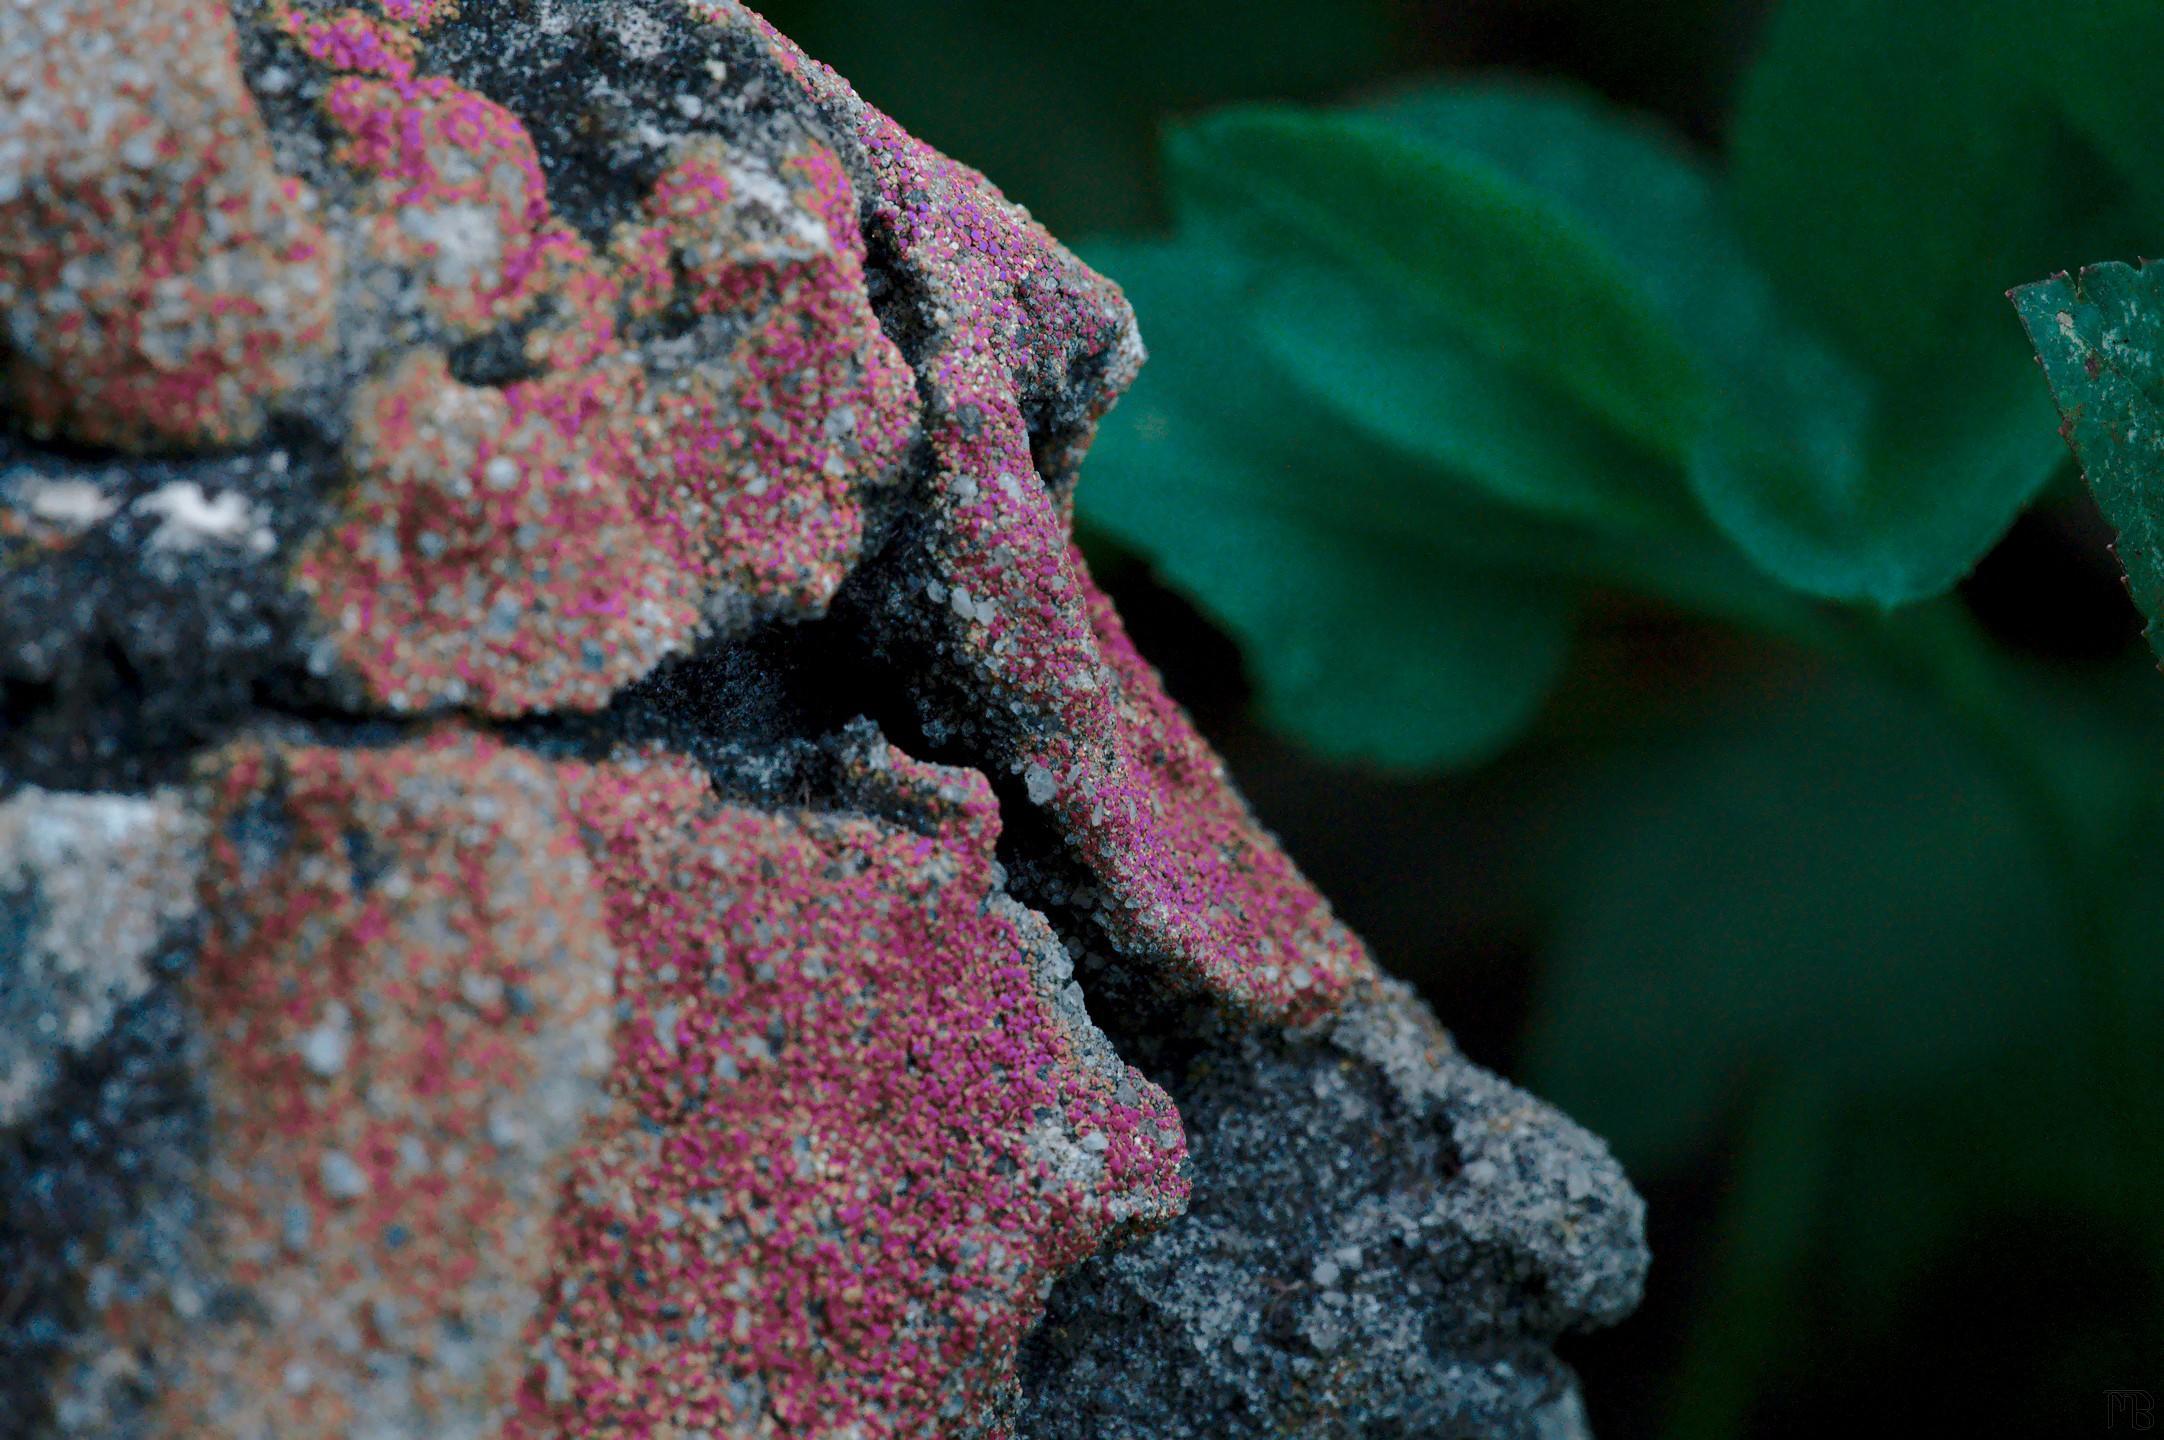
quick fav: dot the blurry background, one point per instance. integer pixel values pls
(1843, 930)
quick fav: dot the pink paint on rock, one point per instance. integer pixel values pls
(856, 1135)
(1191, 881)
(490, 553)
(541, 546)
(405, 987)
(169, 299)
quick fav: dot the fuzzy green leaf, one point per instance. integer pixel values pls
(2100, 337)
(1366, 637)
(1448, 237)
(1896, 167)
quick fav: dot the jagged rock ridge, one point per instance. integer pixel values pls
(565, 795)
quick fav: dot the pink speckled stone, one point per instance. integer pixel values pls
(558, 1085)
(456, 196)
(762, 459)
(540, 547)
(164, 300)
(1190, 881)
(350, 41)
(491, 552)
(856, 1135)
(407, 1002)
(814, 1168)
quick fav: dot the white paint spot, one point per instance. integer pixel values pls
(71, 505)
(192, 518)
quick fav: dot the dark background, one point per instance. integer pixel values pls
(2017, 1317)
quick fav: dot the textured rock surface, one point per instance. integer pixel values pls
(567, 801)
(1382, 1240)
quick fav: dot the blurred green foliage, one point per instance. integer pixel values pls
(1832, 924)
(1895, 169)
(1453, 371)
(1568, 350)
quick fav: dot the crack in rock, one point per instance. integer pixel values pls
(583, 854)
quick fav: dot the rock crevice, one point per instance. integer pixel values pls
(484, 489)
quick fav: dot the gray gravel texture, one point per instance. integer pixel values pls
(1384, 1241)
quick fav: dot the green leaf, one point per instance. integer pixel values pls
(1464, 425)
(1503, 335)
(1447, 236)
(1486, 461)
(1365, 639)
(1448, 411)
(2100, 69)
(2099, 337)
(1676, 339)
(1896, 167)
(1744, 1321)
(1638, 193)
(1784, 418)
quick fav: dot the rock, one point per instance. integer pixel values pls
(568, 800)
(95, 884)
(1383, 1240)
